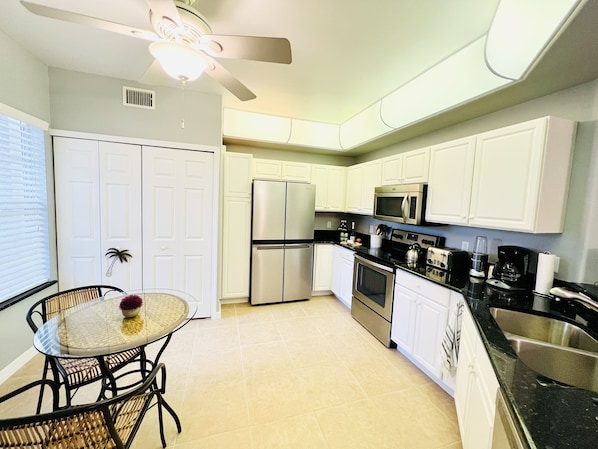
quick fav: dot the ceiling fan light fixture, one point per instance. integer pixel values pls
(178, 60)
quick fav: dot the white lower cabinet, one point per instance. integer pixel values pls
(476, 388)
(323, 265)
(342, 274)
(420, 315)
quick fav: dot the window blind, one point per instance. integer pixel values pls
(24, 240)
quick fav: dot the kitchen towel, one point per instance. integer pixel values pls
(452, 337)
(545, 273)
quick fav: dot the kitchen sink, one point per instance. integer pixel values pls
(554, 348)
(549, 330)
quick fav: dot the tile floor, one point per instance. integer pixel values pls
(289, 376)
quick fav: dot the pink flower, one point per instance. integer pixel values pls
(131, 302)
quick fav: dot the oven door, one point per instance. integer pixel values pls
(373, 285)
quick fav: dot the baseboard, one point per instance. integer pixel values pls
(17, 364)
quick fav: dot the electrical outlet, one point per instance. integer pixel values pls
(329, 224)
(464, 246)
(557, 260)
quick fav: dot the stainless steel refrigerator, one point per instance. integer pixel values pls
(282, 241)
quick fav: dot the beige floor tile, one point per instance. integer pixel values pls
(266, 358)
(256, 333)
(216, 339)
(297, 432)
(288, 310)
(213, 409)
(298, 328)
(356, 425)
(312, 350)
(240, 439)
(328, 384)
(254, 314)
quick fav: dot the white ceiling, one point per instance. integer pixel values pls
(347, 54)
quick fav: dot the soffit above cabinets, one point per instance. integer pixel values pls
(363, 75)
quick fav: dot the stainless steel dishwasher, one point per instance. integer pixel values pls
(506, 433)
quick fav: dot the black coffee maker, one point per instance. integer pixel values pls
(512, 266)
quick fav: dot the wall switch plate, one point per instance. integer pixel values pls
(329, 224)
(464, 246)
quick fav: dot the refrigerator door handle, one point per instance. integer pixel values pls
(266, 247)
(298, 246)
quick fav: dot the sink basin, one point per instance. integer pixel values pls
(551, 347)
(549, 330)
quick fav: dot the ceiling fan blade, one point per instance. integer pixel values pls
(255, 48)
(165, 9)
(67, 16)
(232, 84)
(154, 74)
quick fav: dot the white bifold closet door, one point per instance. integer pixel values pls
(98, 192)
(177, 222)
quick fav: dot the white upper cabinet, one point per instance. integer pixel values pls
(521, 176)
(406, 168)
(267, 169)
(514, 178)
(362, 179)
(449, 186)
(416, 166)
(281, 170)
(237, 174)
(296, 171)
(330, 182)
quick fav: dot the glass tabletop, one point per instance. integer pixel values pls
(99, 328)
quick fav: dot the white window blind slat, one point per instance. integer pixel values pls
(24, 239)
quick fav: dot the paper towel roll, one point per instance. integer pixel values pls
(545, 273)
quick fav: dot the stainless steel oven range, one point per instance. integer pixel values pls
(374, 279)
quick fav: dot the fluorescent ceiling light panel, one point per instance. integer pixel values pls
(521, 30)
(314, 134)
(363, 127)
(459, 78)
(254, 126)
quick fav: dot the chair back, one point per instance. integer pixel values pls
(50, 306)
(110, 423)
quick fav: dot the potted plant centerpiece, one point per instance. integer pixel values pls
(130, 305)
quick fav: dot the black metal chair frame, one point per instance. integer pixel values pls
(75, 373)
(103, 424)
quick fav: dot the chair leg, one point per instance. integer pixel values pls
(41, 390)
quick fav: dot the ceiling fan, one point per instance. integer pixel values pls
(183, 43)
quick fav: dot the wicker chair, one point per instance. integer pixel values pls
(74, 373)
(110, 423)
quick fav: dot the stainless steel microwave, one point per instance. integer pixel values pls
(401, 203)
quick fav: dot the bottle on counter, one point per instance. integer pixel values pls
(343, 231)
(352, 234)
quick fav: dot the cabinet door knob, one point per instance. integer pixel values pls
(163, 248)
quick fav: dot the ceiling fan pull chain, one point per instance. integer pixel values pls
(183, 82)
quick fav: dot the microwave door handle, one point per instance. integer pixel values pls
(404, 207)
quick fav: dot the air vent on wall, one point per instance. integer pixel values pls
(139, 98)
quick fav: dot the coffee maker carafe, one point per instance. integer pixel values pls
(512, 266)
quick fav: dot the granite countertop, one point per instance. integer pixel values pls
(551, 416)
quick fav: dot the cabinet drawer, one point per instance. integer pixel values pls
(434, 292)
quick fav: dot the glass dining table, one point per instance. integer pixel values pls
(98, 329)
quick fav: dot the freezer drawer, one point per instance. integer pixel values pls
(298, 260)
(267, 264)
